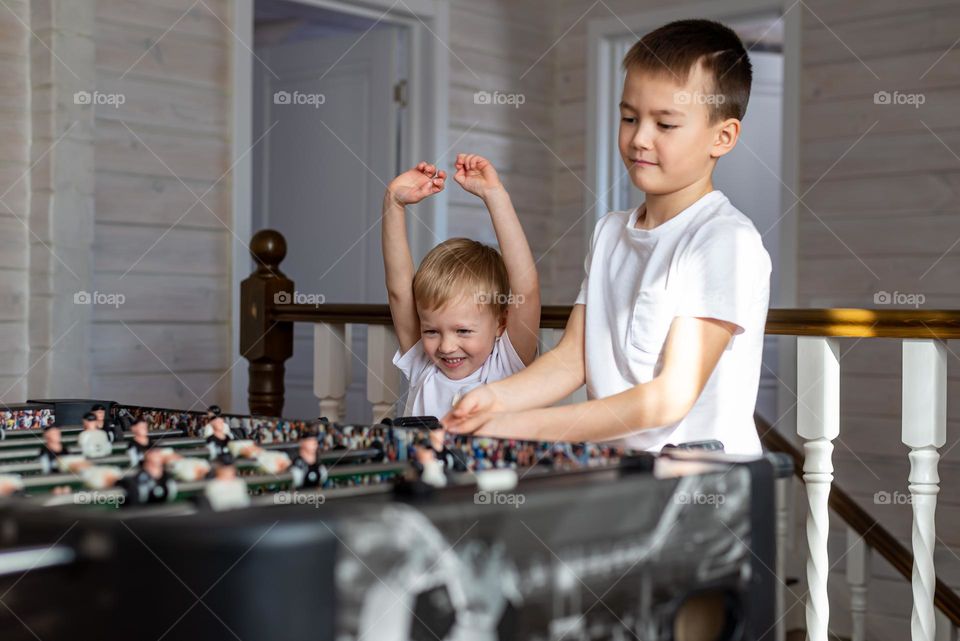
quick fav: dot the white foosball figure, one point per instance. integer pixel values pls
(214, 419)
(10, 483)
(93, 441)
(226, 491)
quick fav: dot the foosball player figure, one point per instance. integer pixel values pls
(107, 424)
(214, 416)
(306, 469)
(429, 470)
(93, 441)
(140, 442)
(217, 441)
(51, 451)
(225, 490)
(451, 459)
(151, 483)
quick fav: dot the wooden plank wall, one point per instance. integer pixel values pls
(167, 145)
(500, 45)
(15, 199)
(884, 218)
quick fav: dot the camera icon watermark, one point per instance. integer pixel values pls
(101, 499)
(894, 498)
(299, 298)
(499, 98)
(314, 499)
(700, 498)
(97, 98)
(98, 298)
(299, 98)
(898, 98)
(499, 498)
(498, 298)
(898, 298)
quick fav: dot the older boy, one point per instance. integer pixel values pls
(667, 331)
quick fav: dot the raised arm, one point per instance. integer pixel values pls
(406, 189)
(478, 176)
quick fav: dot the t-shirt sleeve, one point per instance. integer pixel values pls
(582, 296)
(413, 363)
(723, 275)
(506, 360)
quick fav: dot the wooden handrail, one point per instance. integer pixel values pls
(875, 535)
(267, 299)
(846, 323)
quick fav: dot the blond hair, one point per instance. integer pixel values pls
(460, 268)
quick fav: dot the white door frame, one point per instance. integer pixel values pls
(601, 34)
(426, 131)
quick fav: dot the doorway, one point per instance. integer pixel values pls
(331, 100)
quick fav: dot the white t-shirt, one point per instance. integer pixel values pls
(708, 261)
(431, 392)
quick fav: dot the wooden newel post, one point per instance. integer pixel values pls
(265, 343)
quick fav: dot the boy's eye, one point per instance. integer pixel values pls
(464, 331)
(429, 331)
(628, 120)
(666, 126)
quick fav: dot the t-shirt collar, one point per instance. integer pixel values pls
(697, 205)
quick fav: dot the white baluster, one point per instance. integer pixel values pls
(383, 378)
(924, 431)
(818, 423)
(330, 368)
(858, 576)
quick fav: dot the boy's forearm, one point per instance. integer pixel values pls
(517, 256)
(397, 261)
(549, 379)
(641, 407)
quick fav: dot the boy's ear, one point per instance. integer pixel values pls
(727, 134)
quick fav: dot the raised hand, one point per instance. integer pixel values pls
(415, 184)
(476, 174)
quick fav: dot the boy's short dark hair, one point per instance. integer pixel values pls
(676, 49)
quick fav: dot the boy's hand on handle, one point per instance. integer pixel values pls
(477, 175)
(473, 411)
(414, 185)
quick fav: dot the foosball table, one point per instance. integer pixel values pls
(205, 525)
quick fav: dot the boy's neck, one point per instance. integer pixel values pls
(659, 208)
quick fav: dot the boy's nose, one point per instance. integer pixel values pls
(642, 138)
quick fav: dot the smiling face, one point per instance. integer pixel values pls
(459, 337)
(666, 139)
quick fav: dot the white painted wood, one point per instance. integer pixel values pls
(858, 578)
(241, 262)
(61, 180)
(330, 361)
(383, 377)
(818, 423)
(924, 431)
